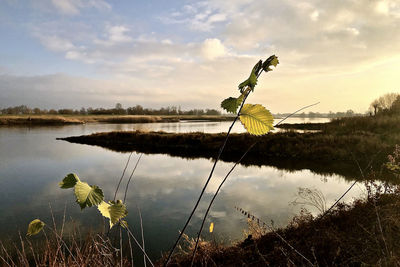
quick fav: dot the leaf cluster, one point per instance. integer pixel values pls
(87, 196)
(255, 118)
(92, 195)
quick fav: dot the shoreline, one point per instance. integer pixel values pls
(50, 120)
(319, 152)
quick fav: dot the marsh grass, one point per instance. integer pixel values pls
(320, 152)
(68, 250)
(363, 233)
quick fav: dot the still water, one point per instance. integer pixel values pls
(165, 188)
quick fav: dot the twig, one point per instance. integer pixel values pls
(206, 184)
(130, 247)
(216, 193)
(120, 245)
(280, 237)
(130, 177)
(138, 244)
(290, 115)
(122, 176)
(141, 230)
(212, 200)
(223, 181)
(352, 185)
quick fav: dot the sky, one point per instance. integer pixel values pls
(193, 54)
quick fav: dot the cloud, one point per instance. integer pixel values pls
(117, 34)
(55, 43)
(213, 48)
(73, 7)
(198, 16)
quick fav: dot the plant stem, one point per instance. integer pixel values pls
(212, 200)
(223, 181)
(122, 176)
(130, 177)
(138, 244)
(206, 184)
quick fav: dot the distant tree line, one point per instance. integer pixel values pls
(117, 110)
(386, 104)
(348, 113)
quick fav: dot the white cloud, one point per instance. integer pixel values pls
(117, 34)
(213, 48)
(56, 43)
(199, 16)
(73, 7)
(382, 7)
(314, 15)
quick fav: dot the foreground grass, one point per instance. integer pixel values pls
(29, 120)
(54, 250)
(365, 233)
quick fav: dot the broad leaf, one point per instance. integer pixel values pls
(35, 227)
(114, 211)
(256, 119)
(231, 104)
(87, 195)
(252, 80)
(69, 181)
(271, 61)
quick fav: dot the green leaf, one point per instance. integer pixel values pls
(69, 181)
(256, 119)
(231, 104)
(114, 211)
(252, 80)
(271, 61)
(35, 227)
(87, 195)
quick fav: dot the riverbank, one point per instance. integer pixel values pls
(43, 120)
(364, 233)
(321, 152)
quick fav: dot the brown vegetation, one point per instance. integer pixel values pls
(319, 152)
(365, 233)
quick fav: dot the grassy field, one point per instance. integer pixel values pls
(9, 120)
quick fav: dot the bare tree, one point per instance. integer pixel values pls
(375, 106)
(384, 102)
(387, 100)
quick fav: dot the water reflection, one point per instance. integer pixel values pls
(32, 163)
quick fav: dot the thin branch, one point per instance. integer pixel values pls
(352, 185)
(141, 230)
(130, 177)
(120, 246)
(122, 176)
(290, 115)
(206, 184)
(223, 181)
(138, 244)
(212, 200)
(280, 237)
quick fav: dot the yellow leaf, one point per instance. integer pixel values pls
(211, 227)
(256, 119)
(35, 227)
(87, 195)
(113, 211)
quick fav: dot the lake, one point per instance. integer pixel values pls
(165, 188)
